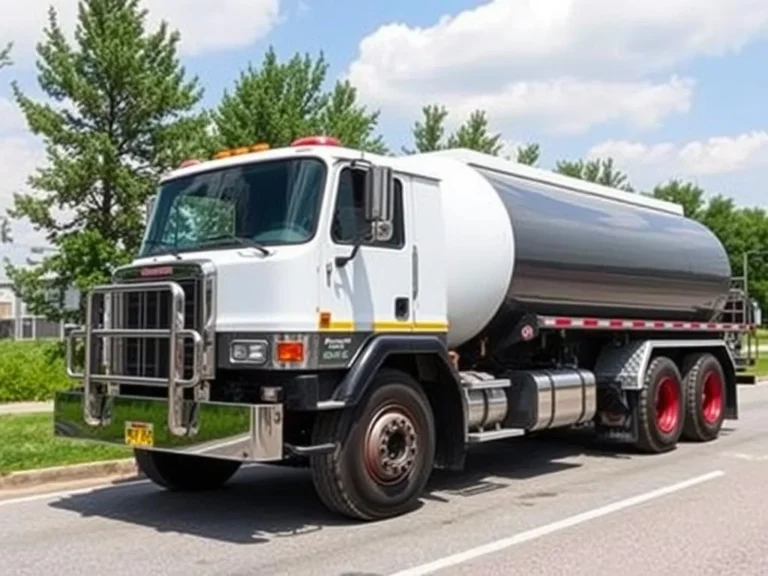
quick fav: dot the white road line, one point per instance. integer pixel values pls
(535, 533)
(748, 457)
(75, 492)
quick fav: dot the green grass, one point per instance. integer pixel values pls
(31, 370)
(761, 367)
(27, 442)
(762, 336)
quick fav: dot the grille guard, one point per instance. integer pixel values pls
(93, 402)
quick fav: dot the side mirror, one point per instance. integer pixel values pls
(378, 194)
(150, 205)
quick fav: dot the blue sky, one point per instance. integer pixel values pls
(666, 87)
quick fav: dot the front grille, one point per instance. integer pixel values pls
(149, 357)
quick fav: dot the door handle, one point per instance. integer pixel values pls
(402, 308)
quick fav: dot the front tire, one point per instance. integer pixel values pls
(383, 464)
(184, 473)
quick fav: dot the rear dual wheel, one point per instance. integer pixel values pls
(672, 405)
(660, 407)
(704, 383)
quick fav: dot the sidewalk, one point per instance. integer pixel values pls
(26, 407)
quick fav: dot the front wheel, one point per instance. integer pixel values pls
(182, 472)
(385, 461)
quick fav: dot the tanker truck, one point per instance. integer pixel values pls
(372, 318)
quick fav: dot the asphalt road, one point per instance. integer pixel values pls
(521, 507)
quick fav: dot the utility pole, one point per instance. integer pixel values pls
(744, 268)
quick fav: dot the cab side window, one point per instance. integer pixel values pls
(349, 214)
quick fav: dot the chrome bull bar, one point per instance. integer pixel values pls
(93, 403)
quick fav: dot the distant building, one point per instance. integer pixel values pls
(16, 321)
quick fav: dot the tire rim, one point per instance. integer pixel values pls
(667, 405)
(391, 445)
(712, 397)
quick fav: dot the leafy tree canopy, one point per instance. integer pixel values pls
(281, 101)
(120, 114)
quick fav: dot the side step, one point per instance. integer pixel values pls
(488, 407)
(482, 381)
(491, 435)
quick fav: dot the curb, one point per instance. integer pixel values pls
(760, 380)
(124, 469)
(26, 408)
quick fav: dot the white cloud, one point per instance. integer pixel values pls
(568, 105)
(20, 156)
(204, 26)
(11, 119)
(303, 8)
(713, 156)
(564, 64)
(734, 165)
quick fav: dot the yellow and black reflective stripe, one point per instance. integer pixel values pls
(383, 326)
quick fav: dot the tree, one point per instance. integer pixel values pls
(279, 102)
(474, 134)
(529, 154)
(429, 133)
(5, 55)
(125, 116)
(599, 171)
(688, 195)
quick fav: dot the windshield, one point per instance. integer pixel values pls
(266, 203)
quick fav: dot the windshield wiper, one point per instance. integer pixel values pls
(174, 251)
(240, 240)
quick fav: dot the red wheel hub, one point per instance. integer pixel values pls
(712, 397)
(667, 405)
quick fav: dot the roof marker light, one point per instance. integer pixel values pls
(259, 147)
(316, 141)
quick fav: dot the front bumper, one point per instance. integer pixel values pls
(243, 432)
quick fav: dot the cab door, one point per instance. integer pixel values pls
(373, 291)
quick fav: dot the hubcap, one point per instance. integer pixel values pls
(712, 397)
(667, 405)
(390, 445)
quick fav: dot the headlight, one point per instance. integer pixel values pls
(248, 352)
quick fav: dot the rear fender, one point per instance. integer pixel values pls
(627, 364)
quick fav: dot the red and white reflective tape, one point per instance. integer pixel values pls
(623, 324)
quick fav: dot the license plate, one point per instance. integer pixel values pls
(139, 434)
